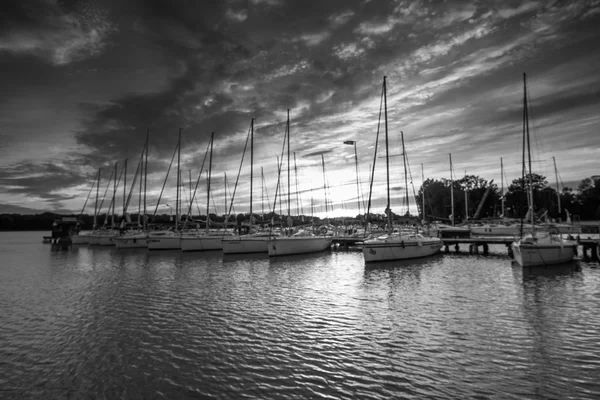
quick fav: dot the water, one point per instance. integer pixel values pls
(108, 323)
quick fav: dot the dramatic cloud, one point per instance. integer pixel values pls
(55, 32)
(89, 79)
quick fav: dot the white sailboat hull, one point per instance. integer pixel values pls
(398, 248)
(132, 241)
(165, 242)
(108, 240)
(532, 254)
(288, 245)
(201, 242)
(245, 244)
(102, 239)
(80, 239)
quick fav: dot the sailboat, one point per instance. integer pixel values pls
(252, 242)
(168, 239)
(78, 237)
(545, 247)
(207, 240)
(302, 241)
(137, 238)
(396, 245)
(105, 235)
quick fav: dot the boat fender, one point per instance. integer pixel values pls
(402, 244)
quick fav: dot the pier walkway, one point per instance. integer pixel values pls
(481, 245)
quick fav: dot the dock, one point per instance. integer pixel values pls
(590, 248)
(589, 245)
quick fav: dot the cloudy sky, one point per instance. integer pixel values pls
(82, 81)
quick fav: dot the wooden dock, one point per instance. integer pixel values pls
(590, 248)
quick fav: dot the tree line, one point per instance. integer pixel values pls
(582, 203)
(469, 191)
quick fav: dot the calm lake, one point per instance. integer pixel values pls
(92, 322)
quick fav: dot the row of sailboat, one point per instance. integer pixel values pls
(536, 248)
(184, 236)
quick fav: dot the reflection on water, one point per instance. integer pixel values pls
(550, 270)
(100, 322)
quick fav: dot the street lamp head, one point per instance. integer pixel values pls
(350, 142)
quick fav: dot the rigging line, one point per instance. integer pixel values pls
(328, 186)
(89, 193)
(239, 172)
(411, 181)
(185, 193)
(106, 190)
(214, 203)
(137, 171)
(113, 201)
(198, 181)
(298, 202)
(374, 158)
(165, 182)
(279, 164)
(324, 183)
(228, 191)
(265, 188)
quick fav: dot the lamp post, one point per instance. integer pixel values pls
(170, 212)
(353, 142)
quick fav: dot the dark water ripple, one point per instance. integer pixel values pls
(102, 323)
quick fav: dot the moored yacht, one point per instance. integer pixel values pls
(132, 240)
(540, 247)
(164, 240)
(403, 244)
(203, 241)
(251, 243)
(400, 247)
(543, 248)
(299, 243)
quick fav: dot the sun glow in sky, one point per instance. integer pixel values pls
(83, 81)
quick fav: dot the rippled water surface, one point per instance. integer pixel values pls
(93, 322)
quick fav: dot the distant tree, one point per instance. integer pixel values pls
(438, 198)
(516, 196)
(7, 222)
(588, 198)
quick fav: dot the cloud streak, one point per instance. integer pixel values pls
(453, 70)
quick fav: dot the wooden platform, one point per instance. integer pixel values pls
(480, 245)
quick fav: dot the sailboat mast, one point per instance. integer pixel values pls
(124, 187)
(178, 180)
(451, 191)
(262, 192)
(557, 188)
(188, 216)
(387, 152)
(96, 205)
(225, 196)
(251, 169)
(141, 171)
(405, 172)
(298, 204)
(324, 183)
(288, 163)
(526, 122)
(212, 136)
(114, 196)
(146, 176)
(423, 191)
(502, 185)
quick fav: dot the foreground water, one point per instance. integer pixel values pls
(107, 323)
